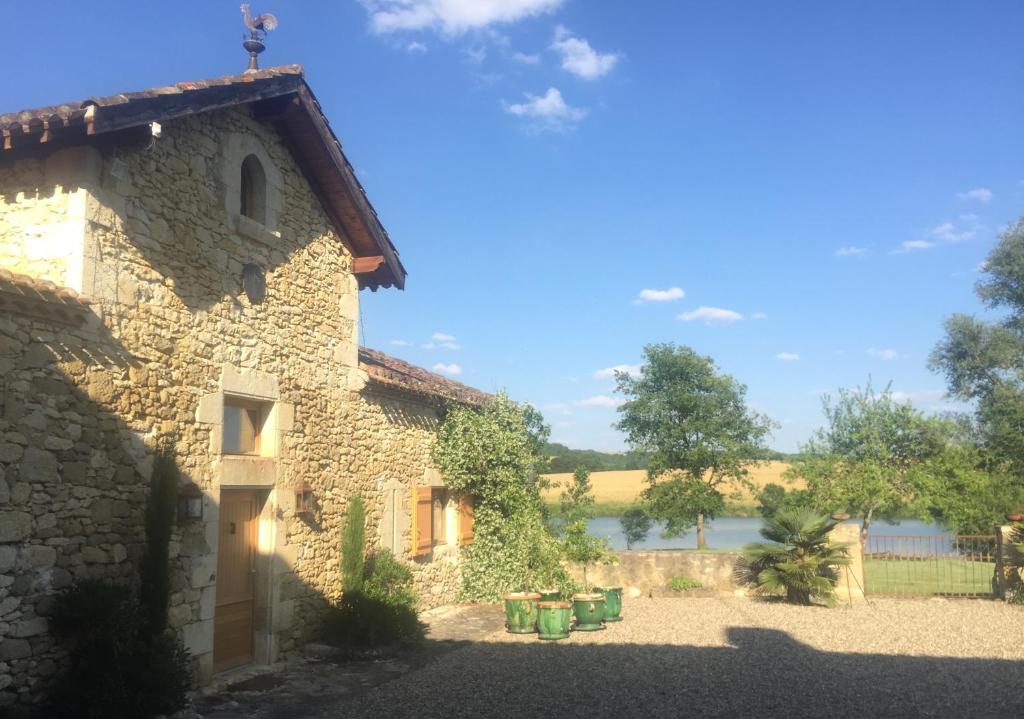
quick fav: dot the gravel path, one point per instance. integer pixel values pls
(732, 658)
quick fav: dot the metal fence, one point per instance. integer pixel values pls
(956, 565)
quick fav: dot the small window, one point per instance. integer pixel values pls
(243, 422)
(254, 190)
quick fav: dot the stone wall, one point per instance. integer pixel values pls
(72, 485)
(162, 251)
(641, 573)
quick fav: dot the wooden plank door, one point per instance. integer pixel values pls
(236, 555)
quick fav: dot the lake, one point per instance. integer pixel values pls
(734, 532)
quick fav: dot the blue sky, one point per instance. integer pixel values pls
(820, 180)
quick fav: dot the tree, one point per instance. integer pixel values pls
(583, 547)
(774, 498)
(696, 430)
(984, 361)
(576, 500)
(868, 458)
(636, 524)
(353, 546)
(799, 561)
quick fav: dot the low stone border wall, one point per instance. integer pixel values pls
(641, 573)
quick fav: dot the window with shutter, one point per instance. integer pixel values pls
(422, 521)
(465, 520)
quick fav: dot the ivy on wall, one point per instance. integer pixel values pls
(494, 455)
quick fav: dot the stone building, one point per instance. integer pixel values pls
(186, 263)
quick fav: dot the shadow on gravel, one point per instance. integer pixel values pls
(765, 673)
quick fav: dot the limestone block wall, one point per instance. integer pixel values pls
(42, 218)
(73, 477)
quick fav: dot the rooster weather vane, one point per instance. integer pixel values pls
(258, 27)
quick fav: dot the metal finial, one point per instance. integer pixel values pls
(258, 27)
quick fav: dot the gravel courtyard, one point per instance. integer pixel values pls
(733, 658)
(672, 658)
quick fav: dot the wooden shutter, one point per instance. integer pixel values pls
(465, 519)
(422, 521)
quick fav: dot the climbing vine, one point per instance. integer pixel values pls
(493, 454)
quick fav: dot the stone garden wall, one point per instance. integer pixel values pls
(641, 573)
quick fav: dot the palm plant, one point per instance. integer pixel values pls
(798, 561)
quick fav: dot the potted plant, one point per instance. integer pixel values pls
(553, 619)
(521, 612)
(550, 595)
(612, 602)
(589, 611)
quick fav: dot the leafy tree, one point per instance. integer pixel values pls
(636, 524)
(984, 361)
(798, 561)
(353, 546)
(696, 430)
(962, 488)
(774, 497)
(868, 458)
(493, 454)
(581, 546)
(576, 500)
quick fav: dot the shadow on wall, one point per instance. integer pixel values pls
(765, 673)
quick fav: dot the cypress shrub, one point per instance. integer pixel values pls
(353, 546)
(154, 590)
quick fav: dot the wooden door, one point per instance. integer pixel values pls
(236, 555)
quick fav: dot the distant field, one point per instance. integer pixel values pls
(614, 491)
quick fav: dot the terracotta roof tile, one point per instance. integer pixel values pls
(24, 295)
(393, 372)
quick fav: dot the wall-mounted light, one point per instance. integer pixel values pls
(304, 499)
(190, 504)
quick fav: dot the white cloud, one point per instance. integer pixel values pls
(449, 369)
(599, 401)
(978, 194)
(672, 293)
(759, 316)
(883, 354)
(526, 59)
(787, 356)
(711, 316)
(451, 17)
(948, 232)
(851, 251)
(579, 58)
(416, 47)
(550, 110)
(475, 55)
(442, 337)
(927, 396)
(912, 246)
(400, 343)
(609, 372)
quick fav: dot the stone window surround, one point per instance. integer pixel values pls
(236, 148)
(247, 470)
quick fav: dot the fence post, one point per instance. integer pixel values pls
(850, 587)
(1000, 578)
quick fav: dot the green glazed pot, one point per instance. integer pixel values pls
(589, 611)
(612, 603)
(553, 620)
(521, 612)
(550, 595)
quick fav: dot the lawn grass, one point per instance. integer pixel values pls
(926, 577)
